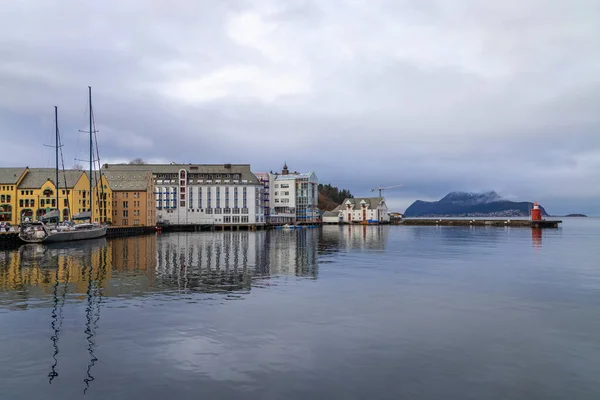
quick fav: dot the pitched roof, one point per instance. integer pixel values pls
(36, 177)
(372, 203)
(242, 169)
(11, 175)
(127, 180)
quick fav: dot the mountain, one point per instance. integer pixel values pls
(463, 204)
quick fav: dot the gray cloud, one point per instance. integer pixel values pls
(436, 95)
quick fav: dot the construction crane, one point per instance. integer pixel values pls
(381, 189)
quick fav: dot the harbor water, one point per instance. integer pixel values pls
(349, 312)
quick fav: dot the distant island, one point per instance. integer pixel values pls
(463, 204)
(576, 215)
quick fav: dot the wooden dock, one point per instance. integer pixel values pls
(513, 223)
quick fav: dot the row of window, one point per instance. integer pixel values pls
(235, 219)
(8, 187)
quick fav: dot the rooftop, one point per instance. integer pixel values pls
(372, 203)
(11, 175)
(36, 177)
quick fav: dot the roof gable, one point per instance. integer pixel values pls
(11, 176)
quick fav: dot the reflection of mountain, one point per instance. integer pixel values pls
(364, 237)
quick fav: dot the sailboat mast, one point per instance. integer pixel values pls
(91, 154)
(56, 148)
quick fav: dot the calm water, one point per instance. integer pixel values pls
(338, 313)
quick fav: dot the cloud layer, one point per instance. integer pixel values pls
(433, 94)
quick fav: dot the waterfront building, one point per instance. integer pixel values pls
(203, 194)
(9, 181)
(363, 209)
(36, 193)
(29, 193)
(293, 197)
(133, 197)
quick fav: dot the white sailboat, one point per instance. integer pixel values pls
(43, 231)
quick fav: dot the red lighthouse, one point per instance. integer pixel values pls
(536, 212)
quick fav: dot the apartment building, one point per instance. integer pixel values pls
(292, 196)
(203, 194)
(133, 197)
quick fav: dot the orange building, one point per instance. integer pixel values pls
(133, 197)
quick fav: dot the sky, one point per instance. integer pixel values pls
(435, 95)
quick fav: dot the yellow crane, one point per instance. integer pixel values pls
(381, 189)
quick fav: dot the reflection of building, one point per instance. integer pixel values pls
(355, 236)
(222, 261)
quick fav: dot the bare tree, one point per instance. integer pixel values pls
(137, 161)
(78, 167)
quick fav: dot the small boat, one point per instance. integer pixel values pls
(46, 231)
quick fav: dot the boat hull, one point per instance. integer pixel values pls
(69, 236)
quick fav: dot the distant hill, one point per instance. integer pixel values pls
(463, 204)
(576, 215)
(330, 197)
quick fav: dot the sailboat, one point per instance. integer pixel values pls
(43, 231)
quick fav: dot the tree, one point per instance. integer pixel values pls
(78, 167)
(137, 161)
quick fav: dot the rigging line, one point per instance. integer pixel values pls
(62, 159)
(99, 182)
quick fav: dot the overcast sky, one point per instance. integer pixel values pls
(437, 95)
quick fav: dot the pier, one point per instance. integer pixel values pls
(513, 223)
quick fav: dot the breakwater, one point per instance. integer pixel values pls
(516, 223)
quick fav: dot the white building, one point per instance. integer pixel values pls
(359, 210)
(204, 194)
(291, 197)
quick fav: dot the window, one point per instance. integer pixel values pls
(125, 204)
(285, 186)
(136, 222)
(125, 222)
(136, 213)
(53, 202)
(65, 202)
(227, 219)
(21, 203)
(125, 213)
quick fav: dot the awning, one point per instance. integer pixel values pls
(83, 215)
(54, 214)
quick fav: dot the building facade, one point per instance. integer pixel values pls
(203, 194)
(133, 197)
(292, 196)
(362, 210)
(29, 193)
(9, 182)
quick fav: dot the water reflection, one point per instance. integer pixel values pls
(536, 237)
(203, 262)
(357, 237)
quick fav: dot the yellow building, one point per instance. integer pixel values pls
(36, 193)
(133, 197)
(10, 178)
